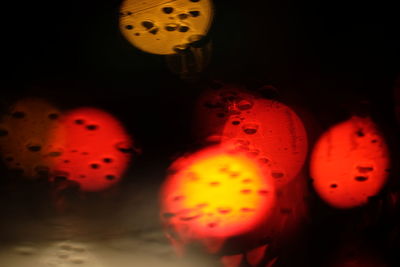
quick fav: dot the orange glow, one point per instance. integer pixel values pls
(216, 194)
(96, 149)
(159, 26)
(266, 130)
(24, 136)
(349, 163)
(86, 145)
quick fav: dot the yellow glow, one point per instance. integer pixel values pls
(219, 194)
(158, 26)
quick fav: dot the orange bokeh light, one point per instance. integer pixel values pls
(349, 163)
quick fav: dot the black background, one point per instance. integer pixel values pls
(331, 58)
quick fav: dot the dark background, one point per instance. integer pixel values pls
(330, 58)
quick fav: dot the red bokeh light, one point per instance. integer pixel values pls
(96, 148)
(349, 163)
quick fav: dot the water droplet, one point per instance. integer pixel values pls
(124, 147)
(92, 127)
(183, 16)
(224, 210)
(154, 31)
(244, 104)
(171, 27)
(183, 28)
(18, 115)
(360, 133)
(334, 185)
(147, 24)
(167, 10)
(194, 13)
(94, 166)
(34, 148)
(365, 169)
(110, 177)
(250, 128)
(361, 178)
(107, 160)
(53, 116)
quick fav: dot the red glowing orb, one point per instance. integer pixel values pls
(218, 194)
(96, 149)
(349, 163)
(266, 130)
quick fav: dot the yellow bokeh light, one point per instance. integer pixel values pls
(158, 26)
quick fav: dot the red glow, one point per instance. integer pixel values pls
(96, 149)
(266, 130)
(214, 194)
(349, 163)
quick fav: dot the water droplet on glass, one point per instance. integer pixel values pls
(361, 178)
(224, 210)
(110, 177)
(34, 147)
(244, 104)
(194, 13)
(147, 24)
(168, 10)
(365, 169)
(250, 128)
(92, 127)
(171, 27)
(18, 115)
(124, 147)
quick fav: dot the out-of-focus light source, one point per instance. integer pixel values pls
(97, 148)
(25, 133)
(350, 163)
(162, 26)
(264, 129)
(87, 146)
(212, 195)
